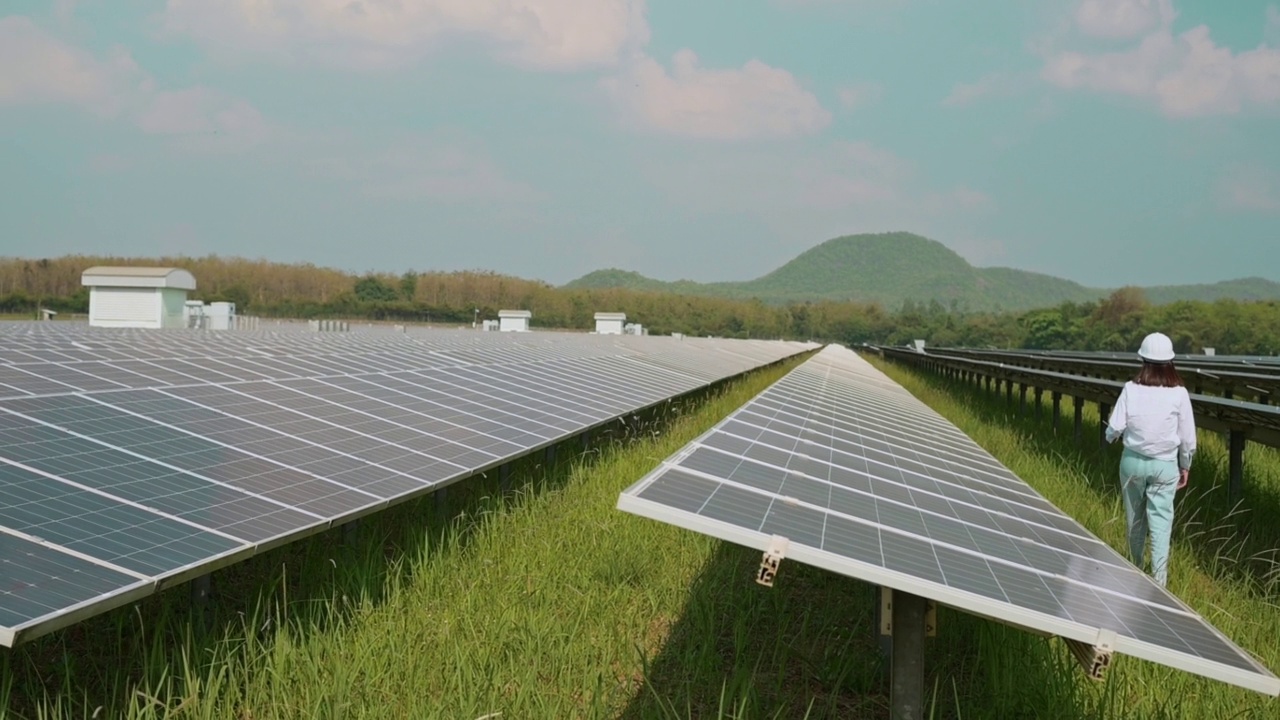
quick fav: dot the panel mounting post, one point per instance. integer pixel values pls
(906, 695)
(1022, 399)
(1104, 410)
(1039, 403)
(1235, 464)
(549, 456)
(1078, 403)
(504, 478)
(1057, 411)
(440, 500)
(200, 589)
(349, 531)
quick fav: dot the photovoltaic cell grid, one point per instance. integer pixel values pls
(862, 478)
(133, 460)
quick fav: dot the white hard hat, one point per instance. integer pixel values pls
(1156, 347)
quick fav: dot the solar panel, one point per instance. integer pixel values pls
(861, 478)
(134, 460)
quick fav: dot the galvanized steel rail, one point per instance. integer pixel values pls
(1259, 382)
(1239, 420)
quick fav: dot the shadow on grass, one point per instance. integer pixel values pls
(807, 648)
(1238, 541)
(802, 648)
(94, 668)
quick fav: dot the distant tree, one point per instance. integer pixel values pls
(409, 285)
(370, 288)
(1046, 330)
(1122, 306)
(237, 294)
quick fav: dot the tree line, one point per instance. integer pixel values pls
(305, 291)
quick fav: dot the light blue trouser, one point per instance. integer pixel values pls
(1148, 487)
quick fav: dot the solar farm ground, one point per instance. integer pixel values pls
(550, 603)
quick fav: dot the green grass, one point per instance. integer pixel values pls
(547, 602)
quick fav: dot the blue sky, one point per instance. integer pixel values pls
(1106, 141)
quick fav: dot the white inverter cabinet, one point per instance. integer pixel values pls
(138, 297)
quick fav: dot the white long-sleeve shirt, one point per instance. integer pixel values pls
(1155, 421)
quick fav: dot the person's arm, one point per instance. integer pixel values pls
(1116, 423)
(1186, 438)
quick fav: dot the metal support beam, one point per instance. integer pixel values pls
(1022, 399)
(883, 628)
(201, 587)
(1039, 403)
(906, 695)
(1235, 482)
(1057, 411)
(349, 532)
(1008, 392)
(441, 500)
(504, 478)
(549, 456)
(1078, 402)
(1104, 411)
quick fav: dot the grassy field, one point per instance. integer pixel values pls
(547, 602)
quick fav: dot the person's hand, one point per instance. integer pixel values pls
(1183, 475)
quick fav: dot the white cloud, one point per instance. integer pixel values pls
(1252, 189)
(38, 68)
(1185, 75)
(199, 110)
(753, 101)
(41, 69)
(1123, 19)
(839, 183)
(994, 84)
(442, 167)
(965, 93)
(859, 95)
(539, 34)
(1271, 32)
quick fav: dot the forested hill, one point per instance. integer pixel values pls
(890, 268)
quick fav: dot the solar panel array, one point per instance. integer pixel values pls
(862, 478)
(133, 460)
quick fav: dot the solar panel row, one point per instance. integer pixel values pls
(862, 478)
(129, 464)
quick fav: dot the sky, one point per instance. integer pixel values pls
(1110, 142)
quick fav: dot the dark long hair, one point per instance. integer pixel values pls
(1158, 375)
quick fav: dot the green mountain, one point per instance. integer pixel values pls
(890, 268)
(1250, 288)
